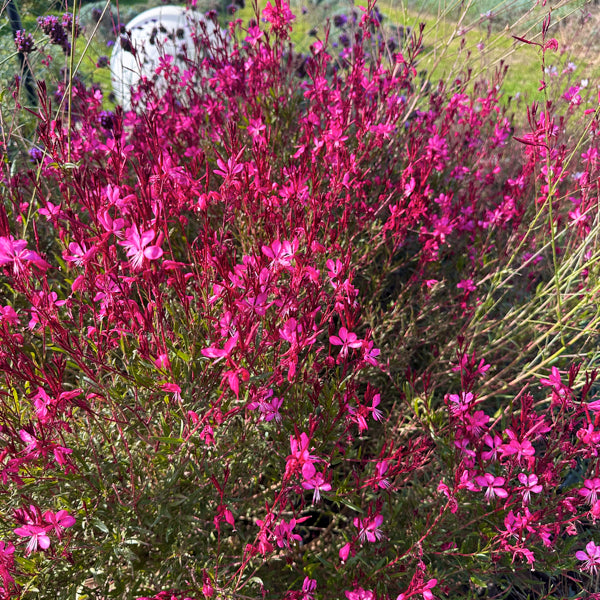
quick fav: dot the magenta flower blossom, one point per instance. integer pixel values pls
(590, 490)
(493, 485)
(425, 590)
(368, 529)
(300, 456)
(560, 392)
(360, 594)
(515, 448)
(591, 557)
(270, 410)
(79, 254)
(7, 560)
(314, 481)
(59, 521)
(370, 353)
(15, 252)
(476, 423)
(230, 169)
(283, 532)
(460, 404)
(280, 16)
(308, 587)
(572, 96)
(531, 485)
(344, 552)
(225, 352)
(346, 340)
(494, 443)
(380, 469)
(137, 247)
(9, 315)
(280, 253)
(38, 537)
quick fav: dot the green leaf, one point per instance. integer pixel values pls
(478, 582)
(349, 504)
(183, 355)
(99, 525)
(169, 440)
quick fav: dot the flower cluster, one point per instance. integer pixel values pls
(261, 319)
(24, 42)
(59, 30)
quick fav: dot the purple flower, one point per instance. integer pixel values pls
(340, 20)
(36, 154)
(24, 42)
(52, 27)
(107, 119)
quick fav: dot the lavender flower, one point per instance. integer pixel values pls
(51, 26)
(24, 42)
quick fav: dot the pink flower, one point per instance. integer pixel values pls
(254, 34)
(380, 469)
(59, 521)
(452, 504)
(531, 486)
(15, 252)
(79, 254)
(591, 557)
(590, 490)
(280, 253)
(137, 246)
(495, 444)
(370, 353)
(427, 595)
(231, 169)
(494, 486)
(369, 528)
(514, 447)
(375, 412)
(283, 532)
(476, 424)
(360, 594)
(270, 410)
(38, 536)
(345, 552)
(560, 392)
(460, 404)
(7, 561)
(314, 481)
(280, 16)
(467, 285)
(308, 587)
(300, 456)
(8, 314)
(346, 340)
(225, 352)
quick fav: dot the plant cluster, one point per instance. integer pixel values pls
(301, 327)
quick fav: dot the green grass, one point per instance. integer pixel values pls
(452, 47)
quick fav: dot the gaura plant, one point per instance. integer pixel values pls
(301, 327)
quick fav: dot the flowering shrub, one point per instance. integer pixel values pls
(254, 333)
